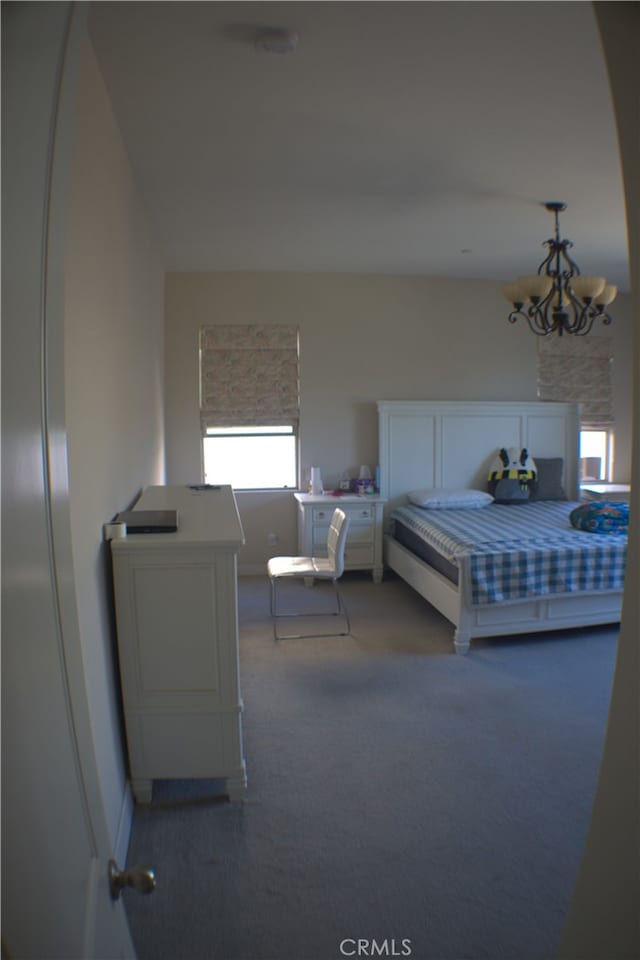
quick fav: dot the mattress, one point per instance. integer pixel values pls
(416, 543)
(506, 553)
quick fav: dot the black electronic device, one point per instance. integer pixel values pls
(149, 521)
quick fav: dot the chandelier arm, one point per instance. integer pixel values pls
(538, 319)
(578, 306)
(544, 266)
(584, 327)
(538, 333)
(574, 269)
(530, 316)
(583, 321)
(559, 251)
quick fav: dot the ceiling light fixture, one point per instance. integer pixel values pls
(558, 299)
(276, 40)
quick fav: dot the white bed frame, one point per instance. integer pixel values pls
(452, 444)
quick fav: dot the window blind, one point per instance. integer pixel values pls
(578, 369)
(249, 376)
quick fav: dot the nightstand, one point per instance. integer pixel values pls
(605, 491)
(364, 540)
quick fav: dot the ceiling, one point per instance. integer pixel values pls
(398, 138)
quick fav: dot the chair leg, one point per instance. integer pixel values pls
(341, 610)
(272, 607)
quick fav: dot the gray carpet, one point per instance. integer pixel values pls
(397, 792)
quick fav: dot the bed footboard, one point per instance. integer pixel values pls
(428, 582)
(529, 616)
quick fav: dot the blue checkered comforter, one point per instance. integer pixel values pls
(512, 553)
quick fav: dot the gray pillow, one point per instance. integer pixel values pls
(549, 482)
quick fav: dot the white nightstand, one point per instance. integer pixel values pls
(364, 540)
(605, 491)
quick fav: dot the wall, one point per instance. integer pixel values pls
(113, 390)
(363, 338)
(624, 320)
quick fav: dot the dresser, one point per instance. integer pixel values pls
(363, 550)
(177, 625)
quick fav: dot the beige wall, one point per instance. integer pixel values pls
(622, 311)
(362, 339)
(113, 389)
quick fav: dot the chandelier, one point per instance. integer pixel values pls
(558, 299)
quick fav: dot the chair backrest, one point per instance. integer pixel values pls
(338, 529)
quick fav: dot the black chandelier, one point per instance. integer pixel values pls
(558, 299)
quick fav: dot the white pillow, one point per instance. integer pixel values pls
(440, 498)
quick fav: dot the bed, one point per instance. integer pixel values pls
(462, 560)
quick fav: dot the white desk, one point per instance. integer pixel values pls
(177, 624)
(363, 549)
(605, 491)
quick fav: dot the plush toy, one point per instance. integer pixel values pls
(603, 517)
(513, 476)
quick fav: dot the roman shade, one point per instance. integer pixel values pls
(578, 370)
(249, 376)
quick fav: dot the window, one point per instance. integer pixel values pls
(249, 457)
(249, 406)
(578, 369)
(596, 455)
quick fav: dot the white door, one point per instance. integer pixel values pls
(55, 847)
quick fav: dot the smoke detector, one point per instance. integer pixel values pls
(276, 40)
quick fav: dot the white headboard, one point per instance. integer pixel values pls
(427, 443)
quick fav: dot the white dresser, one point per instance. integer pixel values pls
(177, 624)
(364, 540)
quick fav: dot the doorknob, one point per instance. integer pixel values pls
(142, 879)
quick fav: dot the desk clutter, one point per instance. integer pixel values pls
(362, 485)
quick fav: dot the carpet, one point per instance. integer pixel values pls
(402, 800)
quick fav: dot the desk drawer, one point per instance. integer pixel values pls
(360, 515)
(357, 534)
(357, 514)
(358, 555)
(363, 549)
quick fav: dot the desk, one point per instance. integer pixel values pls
(177, 624)
(605, 491)
(363, 549)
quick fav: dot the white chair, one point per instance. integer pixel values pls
(311, 568)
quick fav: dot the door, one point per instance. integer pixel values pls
(55, 846)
